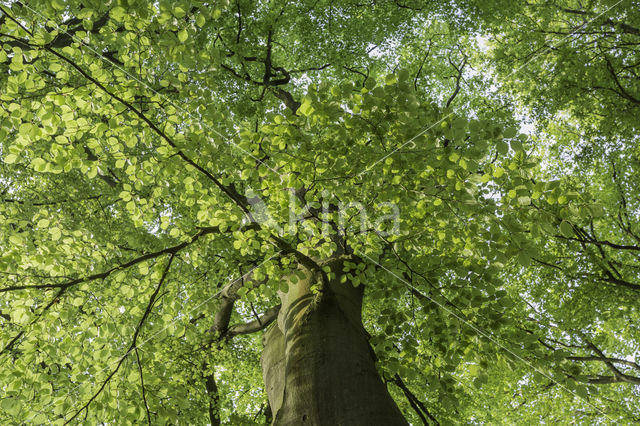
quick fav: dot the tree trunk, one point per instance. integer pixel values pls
(317, 364)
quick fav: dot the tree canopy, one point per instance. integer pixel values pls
(458, 180)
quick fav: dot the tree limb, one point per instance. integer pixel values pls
(415, 403)
(253, 326)
(101, 275)
(134, 339)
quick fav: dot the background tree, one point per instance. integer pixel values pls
(183, 237)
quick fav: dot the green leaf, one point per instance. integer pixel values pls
(391, 79)
(502, 148)
(516, 145)
(510, 132)
(183, 35)
(58, 4)
(10, 405)
(117, 13)
(566, 229)
(39, 164)
(582, 391)
(55, 233)
(25, 129)
(523, 259)
(16, 240)
(305, 107)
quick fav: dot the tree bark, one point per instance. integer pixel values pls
(317, 364)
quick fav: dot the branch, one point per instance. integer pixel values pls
(253, 326)
(222, 331)
(600, 243)
(64, 38)
(229, 295)
(144, 396)
(623, 283)
(605, 359)
(239, 23)
(426, 55)
(53, 301)
(459, 69)
(227, 190)
(212, 391)
(617, 373)
(623, 205)
(404, 6)
(626, 28)
(415, 403)
(132, 346)
(287, 99)
(169, 250)
(607, 380)
(623, 92)
(50, 203)
(92, 157)
(320, 68)
(356, 71)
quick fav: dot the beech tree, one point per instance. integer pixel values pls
(318, 212)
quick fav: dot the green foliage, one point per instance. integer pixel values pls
(136, 137)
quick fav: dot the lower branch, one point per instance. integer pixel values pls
(132, 346)
(417, 405)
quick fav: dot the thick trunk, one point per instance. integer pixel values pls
(317, 364)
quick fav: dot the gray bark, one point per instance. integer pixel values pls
(317, 364)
